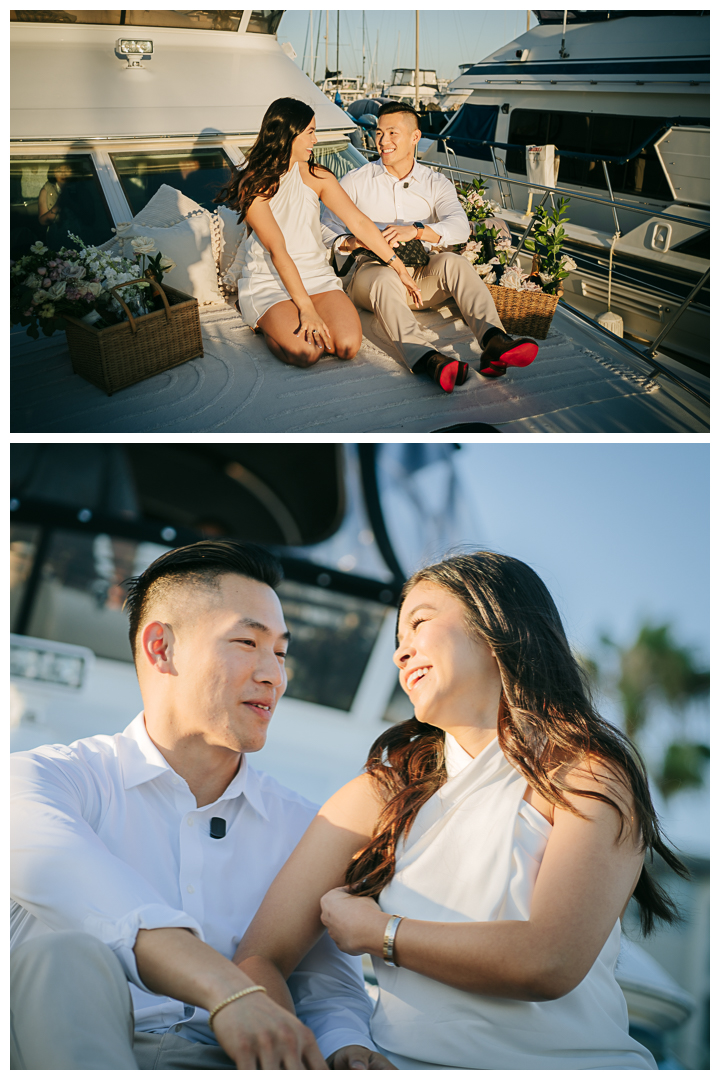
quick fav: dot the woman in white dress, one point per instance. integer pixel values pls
(487, 854)
(288, 290)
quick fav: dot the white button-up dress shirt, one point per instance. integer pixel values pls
(108, 839)
(424, 195)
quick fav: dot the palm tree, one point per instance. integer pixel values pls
(657, 669)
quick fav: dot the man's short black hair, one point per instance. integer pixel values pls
(201, 565)
(398, 107)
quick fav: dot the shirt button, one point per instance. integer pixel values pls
(190, 888)
(178, 1027)
(191, 821)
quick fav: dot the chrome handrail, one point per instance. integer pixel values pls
(566, 192)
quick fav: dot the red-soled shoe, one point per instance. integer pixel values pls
(513, 352)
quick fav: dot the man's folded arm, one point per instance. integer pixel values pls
(330, 997)
(62, 873)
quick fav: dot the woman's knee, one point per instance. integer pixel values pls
(347, 344)
(302, 354)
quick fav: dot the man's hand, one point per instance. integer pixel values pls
(399, 234)
(254, 1031)
(358, 1057)
(258, 1034)
(350, 243)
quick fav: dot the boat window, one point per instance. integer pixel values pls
(264, 22)
(198, 173)
(80, 596)
(698, 245)
(81, 593)
(261, 22)
(51, 195)
(591, 133)
(23, 547)
(332, 638)
(340, 158)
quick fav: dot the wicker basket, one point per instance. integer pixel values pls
(527, 314)
(119, 356)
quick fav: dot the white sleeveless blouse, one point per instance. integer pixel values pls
(473, 855)
(296, 209)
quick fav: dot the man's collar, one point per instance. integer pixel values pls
(140, 761)
(414, 174)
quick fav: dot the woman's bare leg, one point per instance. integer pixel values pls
(278, 325)
(342, 320)
(339, 314)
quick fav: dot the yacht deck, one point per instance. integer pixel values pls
(581, 381)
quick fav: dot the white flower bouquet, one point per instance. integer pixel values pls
(46, 286)
(491, 250)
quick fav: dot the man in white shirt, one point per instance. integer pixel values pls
(140, 859)
(408, 201)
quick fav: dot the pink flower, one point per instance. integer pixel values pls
(53, 263)
(47, 283)
(42, 271)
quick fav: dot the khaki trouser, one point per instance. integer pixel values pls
(378, 289)
(70, 1008)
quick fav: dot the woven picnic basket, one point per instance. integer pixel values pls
(527, 314)
(121, 355)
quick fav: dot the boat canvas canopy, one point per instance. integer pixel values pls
(476, 123)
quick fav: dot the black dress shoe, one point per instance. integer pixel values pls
(502, 351)
(443, 370)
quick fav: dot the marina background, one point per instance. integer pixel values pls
(447, 38)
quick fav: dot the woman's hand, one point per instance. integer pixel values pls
(408, 283)
(355, 923)
(312, 328)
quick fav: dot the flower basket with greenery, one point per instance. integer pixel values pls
(47, 286)
(525, 302)
(121, 324)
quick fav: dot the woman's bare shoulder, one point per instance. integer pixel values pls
(355, 806)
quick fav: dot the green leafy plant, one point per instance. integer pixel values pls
(545, 242)
(656, 670)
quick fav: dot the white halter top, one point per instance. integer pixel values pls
(473, 855)
(296, 209)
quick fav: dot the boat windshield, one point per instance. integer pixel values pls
(51, 195)
(199, 174)
(253, 22)
(83, 585)
(406, 77)
(339, 158)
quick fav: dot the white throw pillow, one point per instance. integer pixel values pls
(167, 207)
(188, 243)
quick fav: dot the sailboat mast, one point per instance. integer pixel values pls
(312, 65)
(417, 60)
(327, 30)
(337, 54)
(363, 51)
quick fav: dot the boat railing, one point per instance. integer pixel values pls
(649, 355)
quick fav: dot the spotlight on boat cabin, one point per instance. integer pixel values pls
(133, 51)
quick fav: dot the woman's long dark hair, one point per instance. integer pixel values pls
(546, 721)
(269, 157)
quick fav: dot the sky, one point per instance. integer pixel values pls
(447, 38)
(619, 532)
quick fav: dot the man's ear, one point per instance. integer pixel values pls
(157, 641)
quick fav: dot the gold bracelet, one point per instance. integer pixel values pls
(240, 993)
(388, 949)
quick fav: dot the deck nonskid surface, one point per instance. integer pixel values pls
(239, 387)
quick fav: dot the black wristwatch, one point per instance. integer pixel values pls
(419, 226)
